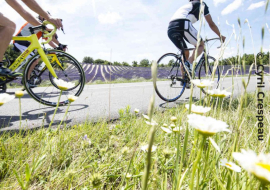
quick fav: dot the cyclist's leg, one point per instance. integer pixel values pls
(7, 29)
(191, 36)
(176, 37)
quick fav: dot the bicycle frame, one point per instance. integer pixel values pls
(34, 45)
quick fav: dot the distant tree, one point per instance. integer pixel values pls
(125, 64)
(117, 63)
(171, 62)
(161, 65)
(107, 63)
(99, 61)
(144, 63)
(134, 64)
(88, 60)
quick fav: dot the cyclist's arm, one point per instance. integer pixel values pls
(26, 15)
(52, 44)
(213, 26)
(55, 40)
(34, 6)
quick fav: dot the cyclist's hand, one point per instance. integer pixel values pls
(57, 22)
(223, 38)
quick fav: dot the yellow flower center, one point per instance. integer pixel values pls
(19, 94)
(265, 166)
(1, 103)
(62, 87)
(228, 165)
(206, 133)
(200, 113)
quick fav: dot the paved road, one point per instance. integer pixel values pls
(96, 102)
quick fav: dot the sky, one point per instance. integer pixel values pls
(125, 30)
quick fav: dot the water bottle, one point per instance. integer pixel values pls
(42, 65)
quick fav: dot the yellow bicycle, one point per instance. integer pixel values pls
(47, 64)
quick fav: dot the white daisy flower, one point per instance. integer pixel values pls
(4, 98)
(165, 125)
(136, 110)
(72, 98)
(207, 126)
(173, 119)
(218, 93)
(128, 176)
(177, 129)
(198, 109)
(172, 126)
(258, 165)
(145, 148)
(166, 130)
(232, 166)
(152, 123)
(202, 83)
(146, 117)
(214, 144)
(63, 85)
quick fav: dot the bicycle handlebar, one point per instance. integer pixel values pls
(48, 35)
(207, 40)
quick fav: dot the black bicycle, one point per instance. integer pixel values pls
(173, 75)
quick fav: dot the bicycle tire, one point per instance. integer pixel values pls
(203, 75)
(162, 72)
(38, 91)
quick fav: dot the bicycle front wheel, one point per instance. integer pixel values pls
(39, 81)
(170, 83)
(208, 71)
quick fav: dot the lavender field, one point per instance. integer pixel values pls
(110, 73)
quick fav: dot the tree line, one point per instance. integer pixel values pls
(235, 60)
(142, 63)
(248, 59)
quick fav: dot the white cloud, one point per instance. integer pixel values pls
(109, 18)
(94, 6)
(256, 5)
(232, 7)
(216, 2)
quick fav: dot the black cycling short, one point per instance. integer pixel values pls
(182, 29)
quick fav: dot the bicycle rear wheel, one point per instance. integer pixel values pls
(206, 72)
(39, 82)
(170, 84)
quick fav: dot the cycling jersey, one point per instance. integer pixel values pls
(191, 11)
(24, 31)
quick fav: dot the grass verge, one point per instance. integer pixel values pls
(109, 156)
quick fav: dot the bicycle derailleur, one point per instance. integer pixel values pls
(35, 80)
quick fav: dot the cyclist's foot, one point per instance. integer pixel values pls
(188, 85)
(3, 88)
(188, 66)
(8, 73)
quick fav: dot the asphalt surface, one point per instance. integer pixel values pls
(100, 102)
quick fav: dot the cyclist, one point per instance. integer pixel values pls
(7, 28)
(21, 46)
(181, 29)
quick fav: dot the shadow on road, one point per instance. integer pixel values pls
(42, 114)
(168, 105)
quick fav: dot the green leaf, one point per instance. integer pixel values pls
(27, 173)
(219, 182)
(19, 180)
